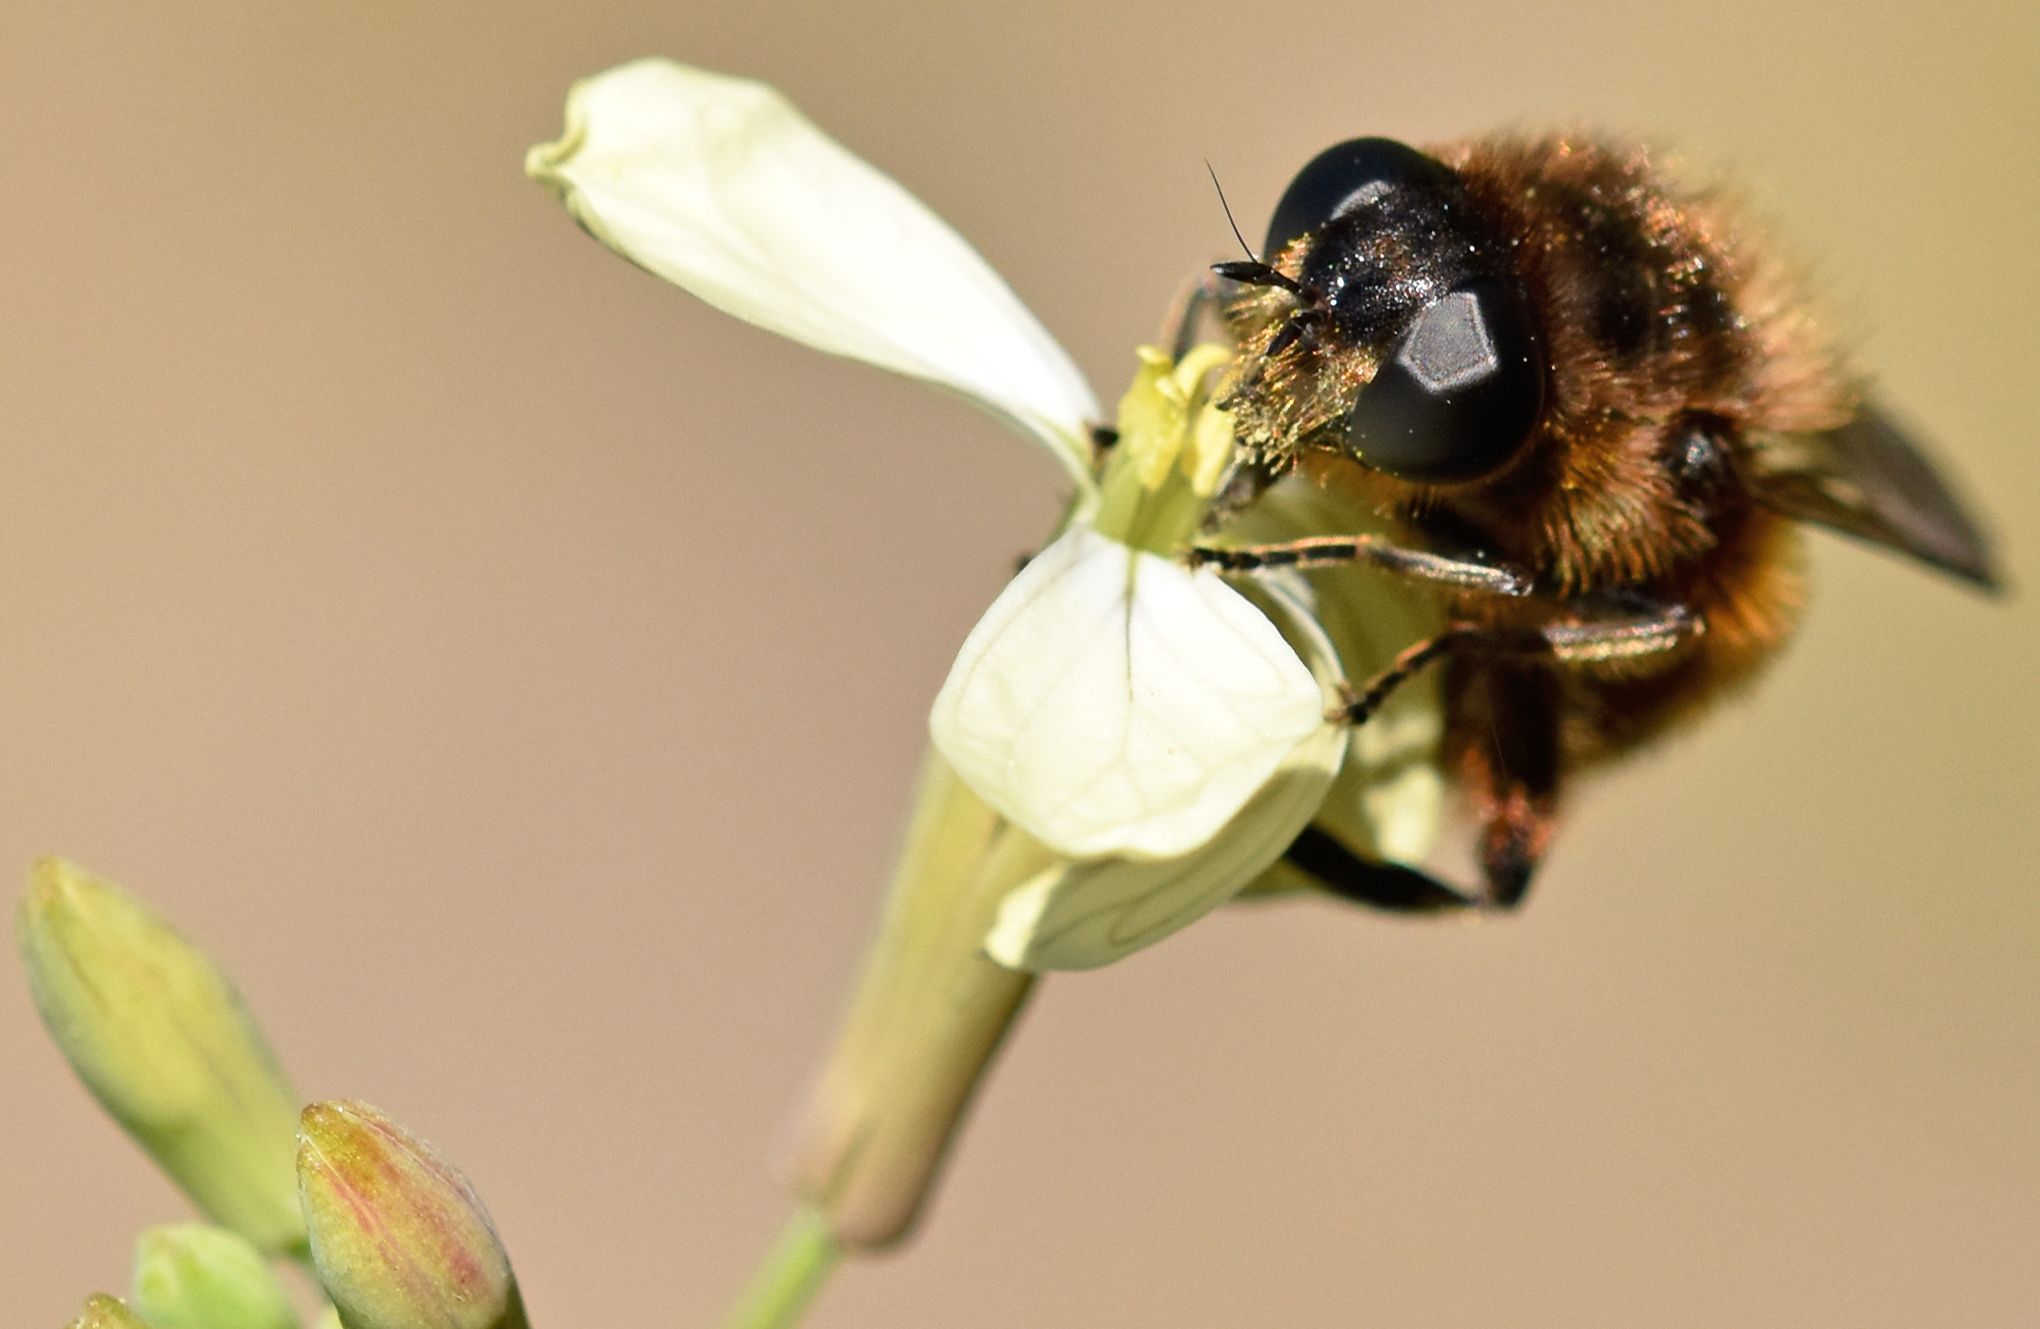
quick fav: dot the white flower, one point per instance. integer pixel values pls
(1162, 734)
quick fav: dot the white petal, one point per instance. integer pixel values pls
(721, 186)
(1115, 702)
(1083, 915)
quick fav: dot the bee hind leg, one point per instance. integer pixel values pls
(1507, 752)
(1504, 735)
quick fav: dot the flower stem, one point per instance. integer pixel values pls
(928, 1018)
(790, 1276)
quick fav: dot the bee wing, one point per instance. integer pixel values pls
(1868, 480)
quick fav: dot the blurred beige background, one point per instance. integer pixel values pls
(513, 670)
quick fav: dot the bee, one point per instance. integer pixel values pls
(1593, 412)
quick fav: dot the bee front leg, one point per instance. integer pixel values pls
(1198, 298)
(1328, 550)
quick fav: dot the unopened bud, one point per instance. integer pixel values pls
(104, 1312)
(399, 1238)
(159, 1035)
(190, 1276)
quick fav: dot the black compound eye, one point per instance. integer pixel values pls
(1460, 392)
(1344, 177)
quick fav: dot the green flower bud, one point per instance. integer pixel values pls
(159, 1035)
(195, 1277)
(399, 1238)
(104, 1312)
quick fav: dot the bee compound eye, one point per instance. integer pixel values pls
(1343, 177)
(1460, 392)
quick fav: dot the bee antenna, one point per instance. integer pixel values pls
(1244, 247)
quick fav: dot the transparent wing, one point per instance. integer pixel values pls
(1869, 480)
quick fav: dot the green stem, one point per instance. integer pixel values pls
(787, 1281)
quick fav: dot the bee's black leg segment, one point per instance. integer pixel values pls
(1323, 551)
(1320, 856)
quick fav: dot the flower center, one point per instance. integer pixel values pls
(1174, 448)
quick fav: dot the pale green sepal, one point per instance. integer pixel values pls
(1114, 702)
(190, 1276)
(1389, 798)
(722, 187)
(104, 1312)
(159, 1035)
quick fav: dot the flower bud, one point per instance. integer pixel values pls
(159, 1035)
(399, 1238)
(104, 1312)
(190, 1276)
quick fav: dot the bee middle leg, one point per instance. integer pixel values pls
(1567, 641)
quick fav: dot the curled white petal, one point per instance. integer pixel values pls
(721, 186)
(1113, 702)
(1083, 915)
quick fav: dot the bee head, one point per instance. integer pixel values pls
(1392, 328)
